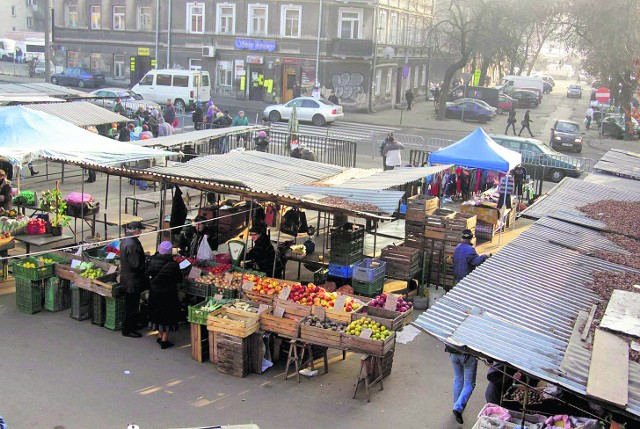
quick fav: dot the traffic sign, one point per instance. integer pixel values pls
(603, 94)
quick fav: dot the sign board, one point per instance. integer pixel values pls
(319, 312)
(475, 81)
(339, 304)
(248, 284)
(75, 263)
(217, 296)
(255, 45)
(228, 277)
(184, 264)
(194, 273)
(255, 59)
(110, 255)
(262, 308)
(366, 333)
(391, 303)
(278, 311)
(144, 52)
(603, 94)
(112, 269)
(284, 293)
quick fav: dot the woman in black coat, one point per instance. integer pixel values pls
(164, 306)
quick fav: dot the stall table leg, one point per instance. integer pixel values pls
(368, 366)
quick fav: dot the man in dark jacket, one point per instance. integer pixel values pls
(192, 237)
(132, 277)
(408, 95)
(169, 113)
(263, 254)
(125, 133)
(465, 257)
(5, 191)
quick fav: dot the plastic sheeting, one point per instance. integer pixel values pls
(28, 134)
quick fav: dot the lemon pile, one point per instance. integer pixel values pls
(47, 260)
(28, 265)
(379, 332)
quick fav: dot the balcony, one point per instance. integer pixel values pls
(352, 48)
(83, 35)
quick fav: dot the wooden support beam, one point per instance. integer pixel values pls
(609, 372)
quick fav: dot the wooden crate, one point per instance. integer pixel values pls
(462, 221)
(233, 354)
(393, 320)
(484, 214)
(293, 308)
(231, 309)
(320, 336)
(64, 271)
(254, 296)
(199, 343)
(236, 325)
(368, 346)
(338, 315)
(213, 350)
(387, 364)
(425, 203)
(435, 233)
(413, 227)
(288, 325)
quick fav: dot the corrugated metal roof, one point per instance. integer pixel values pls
(606, 179)
(42, 89)
(386, 201)
(80, 113)
(396, 177)
(620, 163)
(570, 194)
(28, 98)
(199, 136)
(521, 305)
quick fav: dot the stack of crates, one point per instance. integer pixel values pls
(80, 303)
(98, 305)
(347, 246)
(57, 294)
(30, 283)
(368, 277)
(114, 317)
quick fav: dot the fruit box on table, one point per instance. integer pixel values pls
(255, 296)
(233, 324)
(288, 325)
(369, 346)
(392, 320)
(321, 336)
(40, 269)
(293, 308)
(342, 315)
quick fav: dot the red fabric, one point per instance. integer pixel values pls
(435, 186)
(458, 180)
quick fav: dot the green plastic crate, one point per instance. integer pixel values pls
(80, 303)
(37, 273)
(58, 258)
(225, 292)
(114, 313)
(196, 315)
(98, 305)
(57, 295)
(28, 295)
(369, 289)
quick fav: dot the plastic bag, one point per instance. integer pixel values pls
(204, 250)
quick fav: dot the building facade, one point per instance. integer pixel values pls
(367, 52)
(18, 16)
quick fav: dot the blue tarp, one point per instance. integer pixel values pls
(27, 134)
(477, 150)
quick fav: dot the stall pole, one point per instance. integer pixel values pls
(46, 169)
(273, 271)
(161, 211)
(19, 174)
(81, 206)
(246, 240)
(120, 209)
(375, 237)
(504, 202)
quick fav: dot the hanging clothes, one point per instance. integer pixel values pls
(478, 177)
(465, 182)
(178, 211)
(473, 180)
(434, 191)
(458, 180)
(483, 180)
(270, 215)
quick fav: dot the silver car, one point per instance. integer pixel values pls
(574, 91)
(318, 111)
(106, 97)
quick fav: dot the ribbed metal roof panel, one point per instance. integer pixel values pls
(396, 177)
(606, 179)
(80, 113)
(620, 163)
(570, 194)
(41, 89)
(386, 201)
(199, 136)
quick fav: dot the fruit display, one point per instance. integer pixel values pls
(316, 295)
(13, 224)
(36, 226)
(378, 332)
(4, 236)
(11, 213)
(380, 300)
(179, 259)
(218, 269)
(267, 285)
(46, 260)
(220, 280)
(27, 264)
(92, 273)
(326, 324)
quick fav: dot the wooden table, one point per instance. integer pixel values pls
(40, 240)
(4, 252)
(153, 199)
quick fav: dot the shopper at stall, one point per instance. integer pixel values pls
(132, 277)
(262, 254)
(164, 305)
(519, 176)
(392, 153)
(164, 128)
(153, 122)
(5, 191)
(465, 368)
(145, 134)
(262, 142)
(200, 241)
(169, 113)
(125, 133)
(465, 257)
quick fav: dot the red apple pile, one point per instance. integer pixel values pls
(380, 300)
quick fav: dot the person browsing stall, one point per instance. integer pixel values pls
(262, 253)
(465, 257)
(203, 241)
(5, 191)
(133, 277)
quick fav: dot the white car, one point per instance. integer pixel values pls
(106, 97)
(309, 109)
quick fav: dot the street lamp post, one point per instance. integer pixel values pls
(318, 44)
(374, 36)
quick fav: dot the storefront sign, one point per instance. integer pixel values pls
(289, 61)
(144, 52)
(239, 70)
(255, 45)
(255, 59)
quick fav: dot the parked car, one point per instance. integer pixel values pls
(574, 90)
(613, 124)
(309, 109)
(505, 104)
(77, 76)
(547, 87)
(184, 87)
(536, 91)
(525, 98)
(470, 109)
(566, 135)
(106, 97)
(536, 154)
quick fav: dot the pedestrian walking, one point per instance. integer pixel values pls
(119, 108)
(588, 117)
(392, 152)
(526, 124)
(408, 95)
(164, 305)
(511, 121)
(133, 277)
(465, 368)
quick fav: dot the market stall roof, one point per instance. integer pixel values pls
(525, 304)
(28, 134)
(42, 88)
(26, 99)
(198, 136)
(79, 113)
(396, 177)
(374, 200)
(477, 150)
(621, 163)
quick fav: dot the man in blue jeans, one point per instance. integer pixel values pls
(464, 380)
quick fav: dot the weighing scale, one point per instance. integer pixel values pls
(236, 249)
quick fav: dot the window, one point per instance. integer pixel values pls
(73, 59)
(224, 73)
(195, 64)
(71, 16)
(144, 18)
(378, 87)
(416, 76)
(401, 30)
(181, 81)
(32, 2)
(389, 81)
(118, 65)
(95, 13)
(195, 18)
(13, 11)
(119, 18)
(310, 104)
(350, 23)
(411, 29)
(148, 80)
(226, 19)
(393, 29)
(96, 63)
(29, 21)
(257, 24)
(163, 80)
(382, 27)
(290, 23)
(420, 27)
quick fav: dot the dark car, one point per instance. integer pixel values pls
(566, 135)
(469, 109)
(77, 76)
(547, 87)
(525, 98)
(613, 125)
(538, 156)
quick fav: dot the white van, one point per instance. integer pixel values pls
(7, 49)
(184, 87)
(528, 82)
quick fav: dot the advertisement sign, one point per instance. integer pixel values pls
(255, 59)
(239, 70)
(255, 45)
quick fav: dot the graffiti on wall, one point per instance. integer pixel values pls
(349, 88)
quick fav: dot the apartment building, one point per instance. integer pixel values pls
(258, 49)
(21, 16)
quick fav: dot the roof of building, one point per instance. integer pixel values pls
(620, 163)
